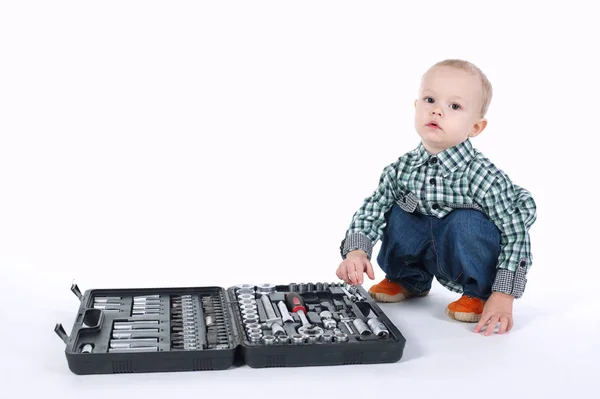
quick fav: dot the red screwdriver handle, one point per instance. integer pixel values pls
(294, 302)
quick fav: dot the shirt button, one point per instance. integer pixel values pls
(433, 160)
(523, 263)
(435, 206)
(432, 181)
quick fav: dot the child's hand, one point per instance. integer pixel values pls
(352, 268)
(497, 309)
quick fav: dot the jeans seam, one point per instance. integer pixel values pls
(423, 246)
(435, 251)
(420, 288)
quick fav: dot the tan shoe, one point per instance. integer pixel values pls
(466, 309)
(388, 291)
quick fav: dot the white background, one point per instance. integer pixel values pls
(150, 144)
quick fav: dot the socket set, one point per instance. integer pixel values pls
(311, 324)
(215, 328)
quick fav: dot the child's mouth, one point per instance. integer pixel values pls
(433, 125)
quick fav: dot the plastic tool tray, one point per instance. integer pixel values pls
(212, 328)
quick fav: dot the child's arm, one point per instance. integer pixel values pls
(366, 229)
(367, 224)
(513, 210)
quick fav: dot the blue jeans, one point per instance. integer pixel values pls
(461, 248)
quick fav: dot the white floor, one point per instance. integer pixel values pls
(147, 144)
(552, 350)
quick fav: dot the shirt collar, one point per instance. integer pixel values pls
(449, 159)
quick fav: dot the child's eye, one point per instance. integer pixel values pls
(455, 106)
(428, 100)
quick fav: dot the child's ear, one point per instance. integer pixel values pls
(478, 127)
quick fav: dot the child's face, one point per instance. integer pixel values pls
(449, 108)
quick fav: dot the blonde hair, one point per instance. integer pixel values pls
(486, 86)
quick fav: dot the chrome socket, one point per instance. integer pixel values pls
(329, 324)
(326, 314)
(269, 339)
(251, 318)
(253, 325)
(341, 337)
(297, 339)
(265, 288)
(277, 330)
(87, 348)
(327, 336)
(306, 332)
(311, 339)
(378, 327)
(283, 339)
(255, 337)
(243, 302)
(361, 327)
(247, 312)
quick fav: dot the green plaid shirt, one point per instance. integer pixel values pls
(464, 179)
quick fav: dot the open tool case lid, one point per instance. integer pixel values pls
(213, 328)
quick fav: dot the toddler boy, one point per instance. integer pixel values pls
(444, 210)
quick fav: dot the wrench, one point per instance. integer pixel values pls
(349, 295)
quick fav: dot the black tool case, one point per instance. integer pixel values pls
(212, 328)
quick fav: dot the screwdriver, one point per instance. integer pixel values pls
(295, 304)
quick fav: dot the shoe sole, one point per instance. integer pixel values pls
(468, 317)
(381, 297)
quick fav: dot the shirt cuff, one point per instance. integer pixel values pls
(356, 241)
(512, 283)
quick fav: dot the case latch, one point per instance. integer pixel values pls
(60, 331)
(76, 291)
